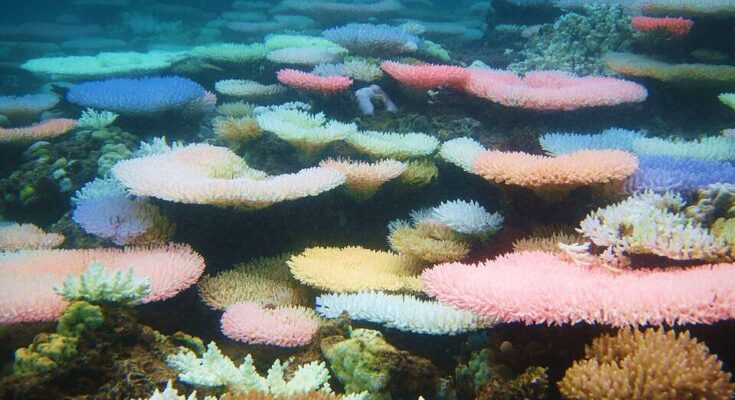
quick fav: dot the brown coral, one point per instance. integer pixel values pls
(429, 242)
(266, 281)
(649, 365)
(236, 131)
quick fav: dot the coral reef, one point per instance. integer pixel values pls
(653, 364)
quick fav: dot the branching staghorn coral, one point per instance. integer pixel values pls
(653, 364)
(547, 240)
(266, 281)
(96, 285)
(650, 223)
(214, 369)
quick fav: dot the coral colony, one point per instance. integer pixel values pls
(367, 200)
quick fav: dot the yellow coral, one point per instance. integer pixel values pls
(264, 281)
(353, 269)
(429, 242)
(236, 131)
(650, 365)
(419, 172)
(643, 66)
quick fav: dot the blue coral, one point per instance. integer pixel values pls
(136, 96)
(614, 138)
(667, 173)
(373, 39)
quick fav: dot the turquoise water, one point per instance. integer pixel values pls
(367, 200)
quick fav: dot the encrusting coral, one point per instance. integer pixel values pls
(649, 365)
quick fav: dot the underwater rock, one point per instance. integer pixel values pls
(365, 361)
(110, 357)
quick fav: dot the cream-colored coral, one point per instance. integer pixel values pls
(309, 132)
(392, 144)
(15, 236)
(354, 269)
(649, 365)
(266, 281)
(204, 174)
(364, 178)
(247, 88)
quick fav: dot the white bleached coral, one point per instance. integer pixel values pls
(247, 88)
(93, 119)
(467, 217)
(461, 152)
(214, 369)
(402, 312)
